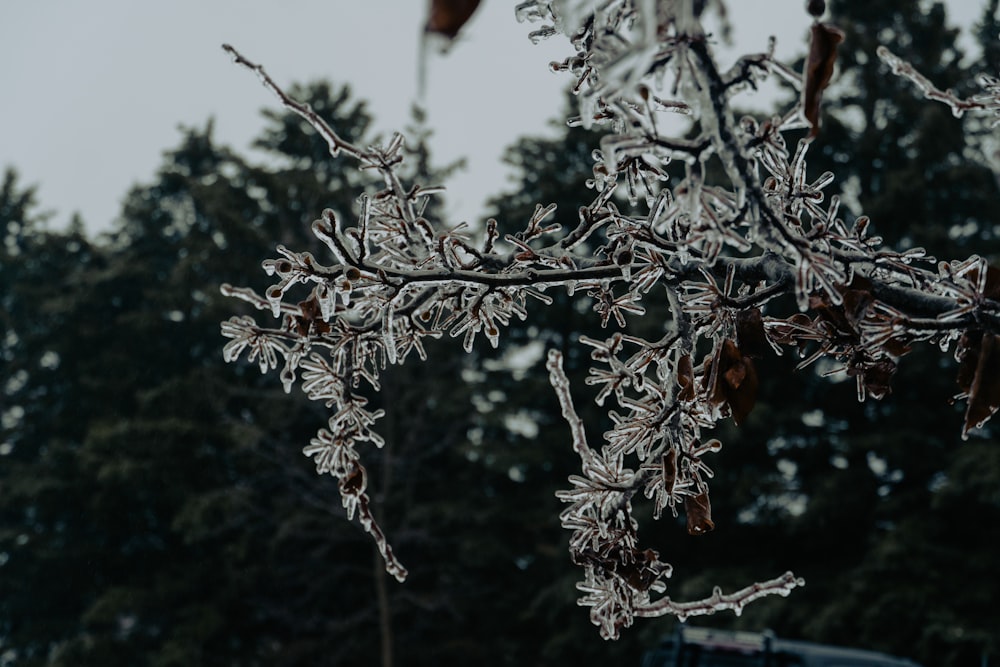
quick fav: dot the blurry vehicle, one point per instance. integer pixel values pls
(704, 647)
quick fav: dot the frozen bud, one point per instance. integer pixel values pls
(352, 273)
(713, 445)
(322, 228)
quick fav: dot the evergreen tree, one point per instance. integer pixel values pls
(155, 509)
(150, 516)
(39, 409)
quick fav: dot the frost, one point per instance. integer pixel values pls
(754, 262)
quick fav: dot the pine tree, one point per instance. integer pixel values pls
(150, 517)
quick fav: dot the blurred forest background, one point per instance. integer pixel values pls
(155, 509)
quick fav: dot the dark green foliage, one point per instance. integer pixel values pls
(155, 506)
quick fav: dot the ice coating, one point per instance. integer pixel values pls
(718, 251)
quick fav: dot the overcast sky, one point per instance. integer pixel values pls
(93, 92)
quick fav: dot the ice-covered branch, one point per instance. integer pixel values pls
(989, 100)
(332, 139)
(721, 252)
(720, 601)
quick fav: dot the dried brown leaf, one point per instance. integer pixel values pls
(685, 379)
(897, 347)
(736, 381)
(857, 297)
(992, 287)
(819, 70)
(816, 7)
(311, 318)
(794, 330)
(354, 482)
(446, 17)
(668, 465)
(699, 514)
(968, 356)
(750, 335)
(878, 376)
(743, 398)
(641, 571)
(981, 351)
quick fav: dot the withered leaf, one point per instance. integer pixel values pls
(311, 318)
(792, 330)
(897, 347)
(968, 355)
(992, 287)
(446, 17)
(736, 381)
(639, 568)
(878, 376)
(735, 374)
(981, 352)
(699, 514)
(355, 482)
(750, 335)
(979, 364)
(725, 357)
(846, 316)
(668, 465)
(992, 290)
(685, 378)
(638, 573)
(819, 70)
(857, 297)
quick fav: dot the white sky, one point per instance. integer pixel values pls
(92, 92)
